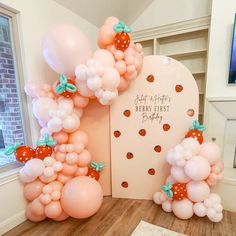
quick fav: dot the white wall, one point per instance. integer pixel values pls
(220, 49)
(34, 17)
(163, 12)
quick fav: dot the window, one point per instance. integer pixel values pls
(12, 99)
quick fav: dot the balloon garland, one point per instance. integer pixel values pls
(60, 179)
(195, 167)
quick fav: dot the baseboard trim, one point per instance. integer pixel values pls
(11, 222)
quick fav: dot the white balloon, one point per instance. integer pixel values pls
(199, 209)
(166, 206)
(55, 124)
(66, 105)
(94, 83)
(34, 167)
(81, 72)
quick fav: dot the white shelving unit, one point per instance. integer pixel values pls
(186, 42)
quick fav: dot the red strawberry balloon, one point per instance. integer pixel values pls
(175, 191)
(122, 38)
(22, 153)
(44, 147)
(95, 169)
(65, 87)
(196, 131)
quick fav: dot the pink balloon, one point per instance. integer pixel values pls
(192, 145)
(53, 209)
(179, 175)
(64, 178)
(124, 84)
(42, 108)
(170, 179)
(61, 137)
(25, 178)
(70, 148)
(32, 90)
(84, 90)
(33, 217)
(45, 179)
(47, 189)
(48, 171)
(118, 55)
(36, 207)
(72, 158)
(106, 35)
(104, 57)
(69, 169)
(79, 147)
(79, 137)
(81, 171)
(84, 158)
(183, 209)
(61, 217)
(110, 79)
(60, 156)
(34, 167)
(56, 185)
(197, 168)
(56, 195)
(64, 47)
(211, 152)
(111, 20)
(199, 209)
(121, 67)
(198, 191)
(45, 198)
(81, 197)
(71, 123)
(33, 190)
(166, 206)
(156, 198)
(79, 101)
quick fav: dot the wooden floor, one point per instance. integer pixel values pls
(121, 216)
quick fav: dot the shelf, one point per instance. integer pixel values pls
(198, 73)
(195, 53)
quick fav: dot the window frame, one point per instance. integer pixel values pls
(13, 16)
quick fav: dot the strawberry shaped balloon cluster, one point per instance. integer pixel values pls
(195, 167)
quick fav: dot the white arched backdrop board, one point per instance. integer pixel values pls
(146, 121)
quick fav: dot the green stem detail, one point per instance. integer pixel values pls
(167, 189)
(65, 86)
(46, 141)
(97, 166)
(12, 149)
(121, 27)
(197, 126)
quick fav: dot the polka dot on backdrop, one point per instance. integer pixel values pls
(147, 121)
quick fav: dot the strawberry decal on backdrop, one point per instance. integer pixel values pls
(196, 131)
(122, 38)
(22, 153)
(44, 147)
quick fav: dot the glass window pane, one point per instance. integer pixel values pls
(11, 125)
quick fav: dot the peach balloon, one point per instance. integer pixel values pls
(45, 198)
(84, 158)
(81, 197)
(61, 137)
(36, 207)
(56, 185)
(124, 84)
(78, 137)
(64, 47)
(32, 217)
(81, 171)
(79, 101)
(69, 169)
(183, 209)
(121, 67)
(111, 20)
(33, 190)
(48, 179)
(64, 178)
(60, 156)
(53, 209)
(104, 57)
(106, 35)
(72, 158)
(61, 217)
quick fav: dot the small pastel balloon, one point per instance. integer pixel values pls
(192, 145)
(72, 158)
(104, 57)
(45, 199)
(42, 107)
(81, 171)
(217, 217)
(36, 207)
(69, 169)
(32, 90)
(55, 125)
(61, 137)
(32, 217)
(79, 101)
(64, 47)
(78, 137)
(198, 191)
(62, 148)
(48, 172)
(94, 83)
(129, 60)
(170, 179)
(211, 152)
(211, 212)
(110, 79)
(166, 206)
(81, 197)
(64, 178)
(79, 147)
(60, 156)
(183, 209)
(45, 179)
(208, 203)
(156, 198)
(66, 105)
(215, 198)
(61, 217)
(56, 185)
(106, 35)
(119, 55)
(179, 175)
(70, 148)
(57, 166)
(33, 190)
(124, 84)
(130, 69)
(56, 195)
(84, 158)
(47, 189)
(199, 209)
(131, 76)
(218, 207)
(197, 168)
(49, 161)
(138, 47)
(138, 62)
(53, 209)
(84, 90)
(121, 67)
(25, 178)
(111, 20)
(34, 167)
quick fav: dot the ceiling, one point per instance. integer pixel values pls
(96, 11)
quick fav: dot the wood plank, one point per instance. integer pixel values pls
(121, 216)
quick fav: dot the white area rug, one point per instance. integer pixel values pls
(147, 229)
